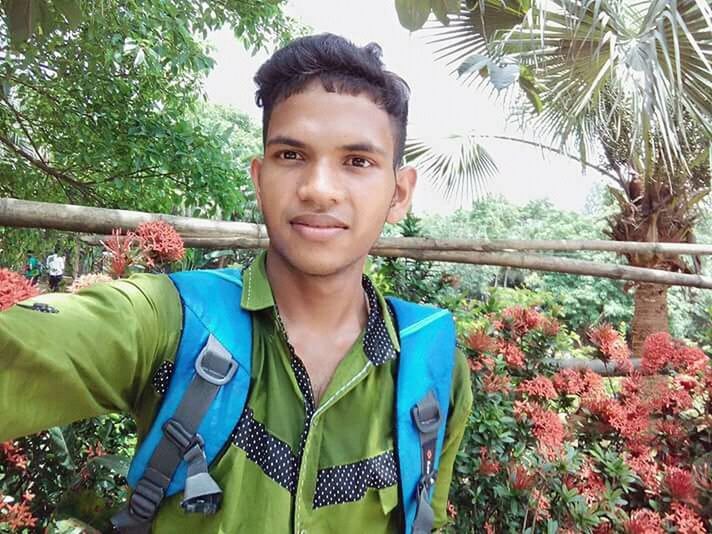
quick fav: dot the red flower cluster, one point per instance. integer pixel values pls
(119, 247)
(539, 387)
(584, 383)
(546, 427)
(17, 516)
(479, 341)
(520, 320)
(14, 288)
(159, 242)
(610, 346)
(493, 383)
(685, 520)
(681, 485)
(521, 478)
(661, 351)
(644, 521)
(13, 455)
(513, 355)
(488, 467)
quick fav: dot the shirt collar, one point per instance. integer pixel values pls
(380, 341)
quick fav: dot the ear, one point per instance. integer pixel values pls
(406, 177)
(255, 169)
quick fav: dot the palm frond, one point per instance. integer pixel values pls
(457, 165)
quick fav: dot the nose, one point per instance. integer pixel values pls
(321, 185)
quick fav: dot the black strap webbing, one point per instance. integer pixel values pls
(214, 367)
(426, 416)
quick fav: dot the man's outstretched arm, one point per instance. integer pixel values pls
(96, 355)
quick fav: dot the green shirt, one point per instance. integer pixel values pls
(290, 467)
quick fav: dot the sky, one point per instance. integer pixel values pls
(440, 104)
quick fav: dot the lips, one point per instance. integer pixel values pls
(318, 226)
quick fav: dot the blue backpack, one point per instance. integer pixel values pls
(208, 391)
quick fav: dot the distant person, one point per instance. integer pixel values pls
(55, 268)
(32, 268)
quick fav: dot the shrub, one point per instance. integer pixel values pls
(570, 451)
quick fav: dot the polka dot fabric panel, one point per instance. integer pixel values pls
(348, 483)
(273, 456)
(162, 377)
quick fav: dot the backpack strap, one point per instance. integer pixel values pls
(425, 366)
(205, 398)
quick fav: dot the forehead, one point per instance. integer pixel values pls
(318, 117)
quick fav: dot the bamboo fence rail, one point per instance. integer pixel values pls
(206, 233)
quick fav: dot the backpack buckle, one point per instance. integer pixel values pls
(214, 364)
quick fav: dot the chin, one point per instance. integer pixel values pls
(316, 261)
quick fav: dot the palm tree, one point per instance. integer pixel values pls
(625, 81)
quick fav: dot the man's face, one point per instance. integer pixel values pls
(326, 184)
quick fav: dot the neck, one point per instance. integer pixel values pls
(320, 303)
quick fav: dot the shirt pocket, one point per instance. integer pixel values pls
(389, 498)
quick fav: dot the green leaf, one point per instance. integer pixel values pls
(530, 87)
(443, 8)
(413, 14)
(72, 11)
(475, 62)
(117, 464)
(60, 447)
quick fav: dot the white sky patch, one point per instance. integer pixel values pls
(440, 104)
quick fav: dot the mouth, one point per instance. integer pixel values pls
(318, 227)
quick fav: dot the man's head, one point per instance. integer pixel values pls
(334, 128)
(341, 67)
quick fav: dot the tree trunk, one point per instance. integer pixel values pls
(650, 315)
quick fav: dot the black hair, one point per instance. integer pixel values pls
(342, 67)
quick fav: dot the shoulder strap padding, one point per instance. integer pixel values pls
(425, 366)
(211, 306)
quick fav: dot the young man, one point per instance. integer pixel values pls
(314, 448)
(55, 269)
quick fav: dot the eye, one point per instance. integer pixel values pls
(357, 161)
(289, 154)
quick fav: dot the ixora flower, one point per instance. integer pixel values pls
(521, 320)
(611, 347)
(644, 521)
(539, 387)
(684, 519)
(119, 248)
(513, 355)
(159, 242)
(14, 288)
(658, 351)
(488, 467)
(479, 341)
(681, 485)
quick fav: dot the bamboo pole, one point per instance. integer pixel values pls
(521, 261)
(207, 234)
(30, 214)
(595, 365)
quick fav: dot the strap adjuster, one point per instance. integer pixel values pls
(214, 364)
(426, 415)
(179, 436)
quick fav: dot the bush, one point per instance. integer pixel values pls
(550, 450)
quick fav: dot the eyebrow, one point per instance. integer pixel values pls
(352, 147)
(364, 147)
(284, 140)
